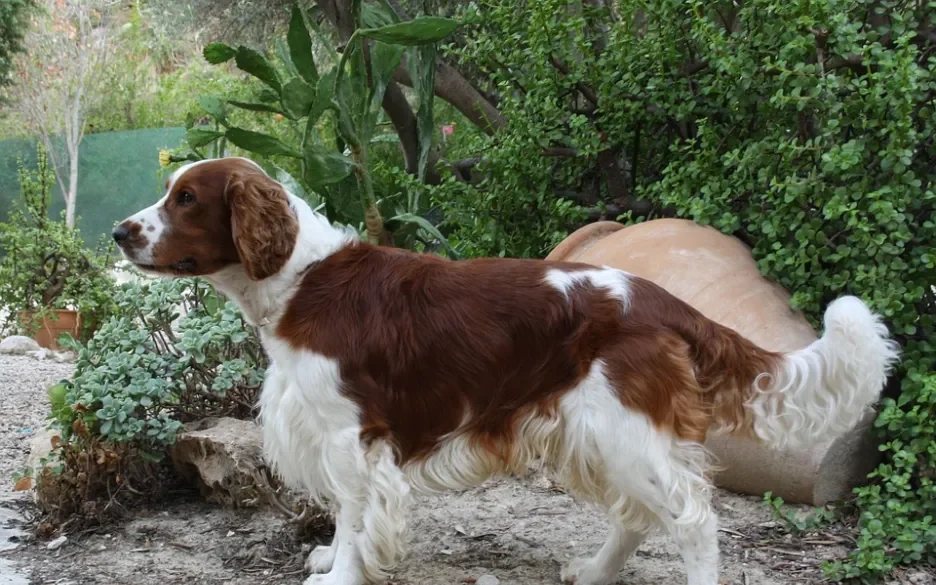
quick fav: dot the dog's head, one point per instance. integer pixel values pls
(215, 213)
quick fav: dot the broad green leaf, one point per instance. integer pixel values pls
(289, 182)
(294, 186)
(419, 31)
(351, 90)
(384, 59)
(323, 96)
(216, 53)
(262, 144)
(57, 394)
(354, 88)
(421, 64)
(255, 107)
(347, 102)
(424, 224)
(201, 135)
(300, 47)
(324, 167)
(213, 106)
(268, 97)
(252, 62)
(282, 52)
(378, 15)
(298, 97)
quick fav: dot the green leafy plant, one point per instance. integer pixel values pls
(44, 264)
(151, 368)
(174, 352)
(334, 110)
(795, 523)
(804, 129)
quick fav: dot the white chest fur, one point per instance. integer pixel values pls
(310, 431)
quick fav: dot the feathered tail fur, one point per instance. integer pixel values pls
(802, 397)
(824, 389)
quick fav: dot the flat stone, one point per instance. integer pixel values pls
(40, 445)
(65, 357)
(223, 457)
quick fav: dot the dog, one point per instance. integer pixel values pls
(394, 371)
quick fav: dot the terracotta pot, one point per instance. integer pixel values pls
(717, 275)
(50, 327)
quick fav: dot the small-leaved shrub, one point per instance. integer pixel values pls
(44, 264)
(175, 352)
(796, 523)
(806, 129)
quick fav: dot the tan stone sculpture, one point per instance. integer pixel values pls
(717, 275)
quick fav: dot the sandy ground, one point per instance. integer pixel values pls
(519, 531)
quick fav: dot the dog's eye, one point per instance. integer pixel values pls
(185, 198)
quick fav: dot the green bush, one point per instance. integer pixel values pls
(44, 264)
(174, 352)
(805, 129)
(149, 369)
(832, 182)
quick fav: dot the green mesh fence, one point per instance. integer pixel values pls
(118, 174)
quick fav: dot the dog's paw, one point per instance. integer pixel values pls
(333, 578)
(584, 571)
(320, 559)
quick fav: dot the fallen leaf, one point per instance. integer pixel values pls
(23, 484)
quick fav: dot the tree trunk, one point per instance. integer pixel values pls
(71, 197)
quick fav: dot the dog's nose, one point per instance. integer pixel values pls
(120, 234)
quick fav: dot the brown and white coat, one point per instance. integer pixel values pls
(394, 371)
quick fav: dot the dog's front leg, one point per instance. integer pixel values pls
(322, 557)
(345, 565)
(371, 496)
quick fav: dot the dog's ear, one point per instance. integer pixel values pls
(262, 224)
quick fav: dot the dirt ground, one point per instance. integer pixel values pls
(519, 531)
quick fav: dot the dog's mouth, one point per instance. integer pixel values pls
(184, 267)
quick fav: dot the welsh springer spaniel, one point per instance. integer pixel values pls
(393, 370)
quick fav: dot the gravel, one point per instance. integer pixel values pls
(23, 408)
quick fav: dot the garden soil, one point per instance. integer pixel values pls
(517, 531)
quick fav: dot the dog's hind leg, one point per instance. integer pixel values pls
(642, 474)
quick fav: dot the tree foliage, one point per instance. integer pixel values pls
(60, 81)
(13, 25)
(806, 129)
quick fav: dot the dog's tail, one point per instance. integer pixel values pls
(796, 398)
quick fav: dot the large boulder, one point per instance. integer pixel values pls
(18, 345)
(224, 458)
(717, 275)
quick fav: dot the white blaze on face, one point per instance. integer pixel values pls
(152, 220)
(152, 226)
